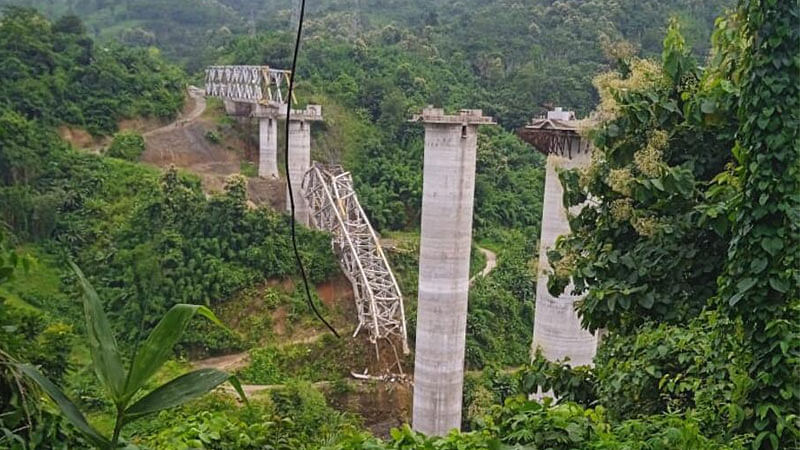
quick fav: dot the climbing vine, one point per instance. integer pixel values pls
(761, 281)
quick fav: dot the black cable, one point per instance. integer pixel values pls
(288, 178)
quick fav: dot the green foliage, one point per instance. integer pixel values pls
(248, 169)
(294, 417)
(528, 424)
(665, 368)
(761, 280)
(55, 74)
(669, 199)
(500, 313)
(27, 334)
(565, 383)
(127, 145)
(325, 359)
(485, 389)
(509, 184)
(213, 137)
(643, 250)
(121, 386)
(164, 242)
(522, 54)
(181, 247)
(25, 148)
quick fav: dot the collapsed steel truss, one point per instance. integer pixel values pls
(554, 136)
(249, 84)
(335, 208)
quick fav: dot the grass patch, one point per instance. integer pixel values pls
(326, 359)
(248, 169)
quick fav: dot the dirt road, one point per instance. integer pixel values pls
(491, 263)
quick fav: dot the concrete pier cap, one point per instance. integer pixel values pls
(312, 113)
(448, 191)
(464, 117)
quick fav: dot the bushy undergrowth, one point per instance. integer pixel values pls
(294, 417)
(521, 423)
(127, 145)
(328, 358)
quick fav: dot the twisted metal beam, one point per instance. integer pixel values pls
(335, 208)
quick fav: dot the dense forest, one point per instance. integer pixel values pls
(686, 252)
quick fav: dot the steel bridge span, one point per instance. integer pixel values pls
(334, 207)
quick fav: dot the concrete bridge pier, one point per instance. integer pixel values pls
(267, 141)
(300, 156)
(446, 236)
(268, 147)
(557, 330)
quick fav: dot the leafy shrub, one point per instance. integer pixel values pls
(526, 424)
(325, 359)
(127, 145)
(203, 339)
(123, 386)
(664, 368)
(213, 137)
(483, 390)
(640, 250)
(567, 384)
(295, 417)
(27, 334)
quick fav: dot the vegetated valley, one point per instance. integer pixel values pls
(133, 224)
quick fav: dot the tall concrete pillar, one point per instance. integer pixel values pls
(267, 139)
(268, 147)
(447, 199)
(300, 156)
(557, 328)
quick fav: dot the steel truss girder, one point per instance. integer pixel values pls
(248, 84)
(335, 208)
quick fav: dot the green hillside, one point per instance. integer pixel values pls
(685, 247)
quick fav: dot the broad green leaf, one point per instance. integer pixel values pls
(103, 346)
(646, 301)
(69, 410)
(708, 106)
(158, 346)
(238, 387)
(657, 184)
(745, 284)
(758, 265)
(179, 391)
(772, 245)
(779, 285)
(735, 299)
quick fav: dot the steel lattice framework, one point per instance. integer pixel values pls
(248, 84)
(553, 136)
(335, 208)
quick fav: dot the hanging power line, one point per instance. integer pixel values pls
(297, 258)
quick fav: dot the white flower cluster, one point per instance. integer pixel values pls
(650, 160)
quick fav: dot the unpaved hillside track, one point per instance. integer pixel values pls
(199, 106)
(491, 263)
(182, 143)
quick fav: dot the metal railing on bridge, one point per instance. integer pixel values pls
(335, 208)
